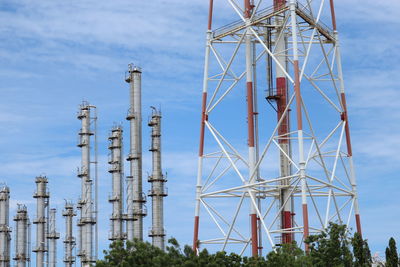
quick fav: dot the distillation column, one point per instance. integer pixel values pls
(5, 237)
(69, 241)
(22, 237)
(87, 220)
(42, 197)
(158, 190)
(52, 236)
(136, 209)
(116, 170)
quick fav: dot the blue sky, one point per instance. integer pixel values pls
(54, 54)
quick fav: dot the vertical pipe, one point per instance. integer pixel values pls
(135, 226)
(42, 196)
(5, 229)
(158, 190)
(248, 8)
(22, 237)
(69, 240)
(281, 97)
(202, 126)
(52, 236)
(302, 173)
(116, 170)
(345, 118)
(87, 220)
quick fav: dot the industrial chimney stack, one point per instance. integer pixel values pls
(42, 196)
(5, 230)
(69, 241)
(136, 209)
(52, 236)
(116, 170)
(22, 237)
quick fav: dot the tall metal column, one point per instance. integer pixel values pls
(22, 237)
(116, 170)
(5, 230)
(52, 236)
(158, 190)
(42, 197)
(136, 210)
(69, 240)
(87, 203)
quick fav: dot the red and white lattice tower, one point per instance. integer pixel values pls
(275, 159)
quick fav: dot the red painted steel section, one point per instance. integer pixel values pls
(281, 92)
(254, 236)
(250, 113)
(287, 223)
(210, 14)
(203, 119)
(358, 224)
(298, 95)
(305, 224)
(247, 8)
(196, 233)
(279, 4)
(333, 16)
(347, 127)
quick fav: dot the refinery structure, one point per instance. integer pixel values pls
(282, 58)
(127, 199)
(274, 171)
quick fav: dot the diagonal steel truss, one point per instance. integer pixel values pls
(286, 38)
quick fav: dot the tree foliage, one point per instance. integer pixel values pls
(392, 258)
(331, 248)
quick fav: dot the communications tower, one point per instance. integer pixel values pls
(275, 158)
